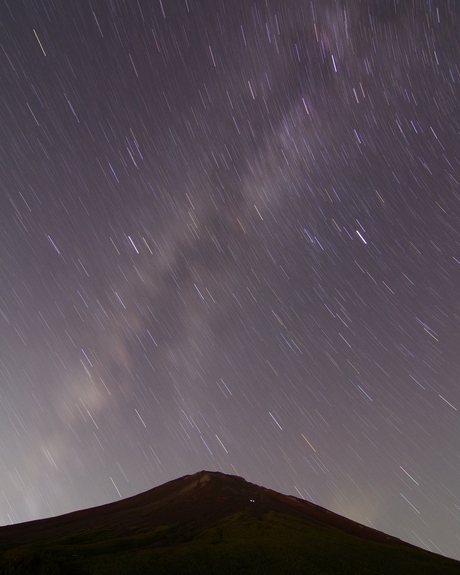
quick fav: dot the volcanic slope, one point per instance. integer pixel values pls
(209, 522)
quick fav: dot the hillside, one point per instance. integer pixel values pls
(209, 523)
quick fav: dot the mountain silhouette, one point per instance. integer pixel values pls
(209, 522)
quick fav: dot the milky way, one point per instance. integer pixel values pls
(230, 240)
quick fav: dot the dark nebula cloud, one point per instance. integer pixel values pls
(230, 240)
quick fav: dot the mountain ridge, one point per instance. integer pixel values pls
(208, 521)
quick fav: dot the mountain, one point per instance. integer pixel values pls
(209, 523)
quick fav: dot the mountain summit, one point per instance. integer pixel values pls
(209, 522)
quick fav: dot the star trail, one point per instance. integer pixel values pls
(230, 240)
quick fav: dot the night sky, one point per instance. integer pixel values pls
(230, 240)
